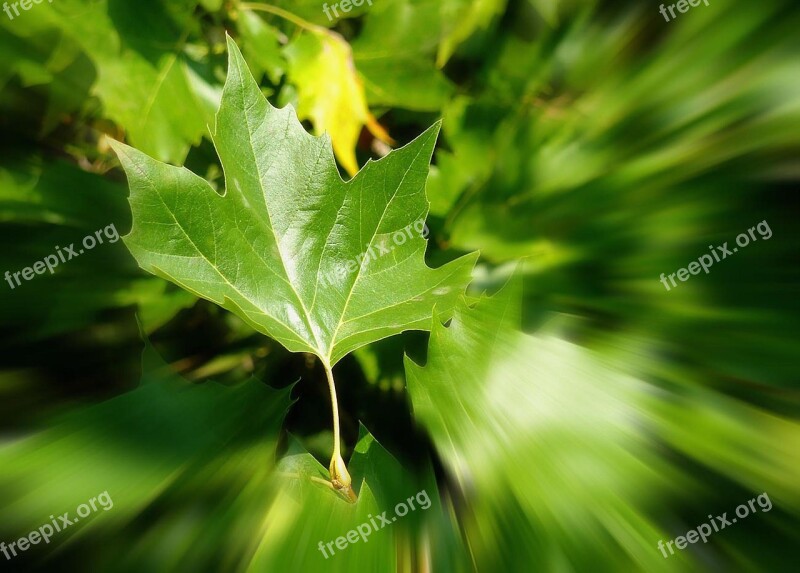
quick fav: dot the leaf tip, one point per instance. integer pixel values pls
(235, 58)
(125, 153)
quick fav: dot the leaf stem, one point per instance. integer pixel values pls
(335, 405)
(281, 13)
(340, 477)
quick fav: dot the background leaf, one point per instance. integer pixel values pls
(317, 61)
(584, 442)
(133, 446)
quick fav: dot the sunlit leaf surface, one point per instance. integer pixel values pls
(345, 270)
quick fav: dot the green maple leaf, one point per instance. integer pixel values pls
(319, 264)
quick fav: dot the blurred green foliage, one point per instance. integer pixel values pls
(589, 146)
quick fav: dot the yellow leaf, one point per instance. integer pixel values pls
(330, 93)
